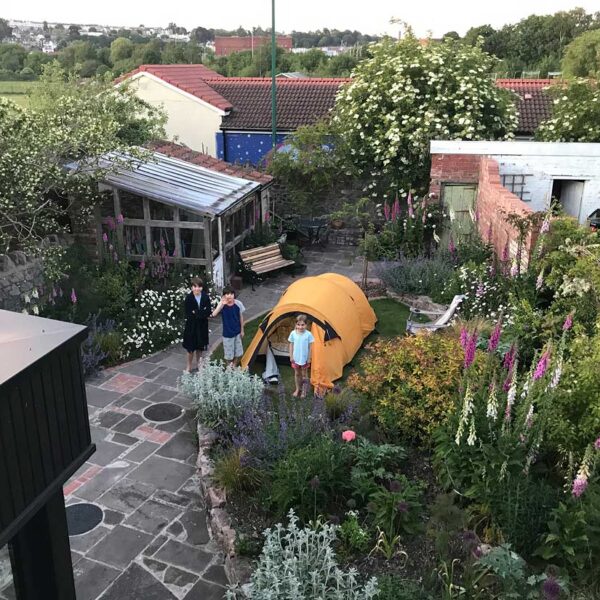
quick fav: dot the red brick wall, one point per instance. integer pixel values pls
(494, 202)
(455, 168)
(493, 199)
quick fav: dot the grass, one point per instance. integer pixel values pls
(391, 322)
(17, 91)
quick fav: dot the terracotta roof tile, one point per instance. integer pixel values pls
(189, 78)
(204, 160)
(299, 101)
(534, 104)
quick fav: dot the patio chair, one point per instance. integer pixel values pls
(443, 320)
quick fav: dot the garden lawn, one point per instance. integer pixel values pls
(391, 322)
(17, 91)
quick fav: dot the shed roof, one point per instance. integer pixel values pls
(181, 184)
(25, 339)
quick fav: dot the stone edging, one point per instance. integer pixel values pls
(237, 569)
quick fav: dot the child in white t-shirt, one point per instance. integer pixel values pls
(300, 349)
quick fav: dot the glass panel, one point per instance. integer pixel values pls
(132, 205)
(214, 237)
(184, 215)
(228, 225)
(192, 243)
(135, 239)
(238, 225)
(163, 239)
(249, 220)
(107, 204)
(160, 212)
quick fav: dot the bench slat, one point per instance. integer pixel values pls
(265, 259)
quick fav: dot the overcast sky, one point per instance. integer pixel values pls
(367, 16)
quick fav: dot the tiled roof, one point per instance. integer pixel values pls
(204, 160)
(189, 78)
(534, 104)
(299, 101)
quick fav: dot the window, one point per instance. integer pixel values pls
(214, 237)
(132, 205)
(228, 227)
(107, 204)
(238, 223)
(250, 215)
(135, 239)
(184, 215)
(516, 185)
(163, 238)
(192, 243)
(160, 212)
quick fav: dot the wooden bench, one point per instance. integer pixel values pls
(264, 260)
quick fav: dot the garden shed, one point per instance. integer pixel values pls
(341, 318)
(190, 213)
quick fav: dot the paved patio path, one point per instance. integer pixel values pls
(153, 542)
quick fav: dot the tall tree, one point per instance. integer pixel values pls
(582, 56)
(5, 29)
(406, 94)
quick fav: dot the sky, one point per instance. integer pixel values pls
(372, 16)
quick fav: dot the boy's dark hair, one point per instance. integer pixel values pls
(196, 281)
(228, 290)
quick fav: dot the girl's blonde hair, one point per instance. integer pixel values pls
(302, 318)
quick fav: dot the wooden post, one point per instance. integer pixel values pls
(208, 246)
(41, 556)
(149, 252)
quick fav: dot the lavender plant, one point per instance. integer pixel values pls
(221, 393)
(301, 564)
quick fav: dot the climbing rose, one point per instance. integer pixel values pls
(348, 435)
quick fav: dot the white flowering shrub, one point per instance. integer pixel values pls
(575, 113)
(300, 564)
(221, 393)
(407, 94)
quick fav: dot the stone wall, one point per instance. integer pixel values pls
(20, 274)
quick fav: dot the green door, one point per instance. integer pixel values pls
(459, 202)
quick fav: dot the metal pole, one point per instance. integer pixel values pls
(273, 88)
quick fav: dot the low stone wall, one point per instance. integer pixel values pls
(237, 569)
(20, 274)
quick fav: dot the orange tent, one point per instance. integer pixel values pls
(341, 318)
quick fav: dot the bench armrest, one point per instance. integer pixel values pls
(419, 311)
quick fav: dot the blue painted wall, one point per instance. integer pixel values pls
(244, 148)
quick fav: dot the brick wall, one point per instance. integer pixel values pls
(494, 202)
(455, 168)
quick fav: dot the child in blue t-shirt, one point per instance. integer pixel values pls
(233, 326)
(300, 346)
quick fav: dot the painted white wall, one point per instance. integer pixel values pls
(193, 122)
(218, 275)
(543, 162)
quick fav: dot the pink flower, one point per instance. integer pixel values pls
(480, 289)
(495, 337)
(514, 270)
(386, 211)
(143, 265)
(73, 296)
(568, 322)
(411, 212)
(545, 228)
(489, 233)
(464, 337)
(470, 349)
(111, 223)
(509, 357)
(451, 246)
(505, 252)
(120, 219)
(597, 444)
(104, 238)
(579, 485)
(348, 435)
(267, 217)
(396, 209)
(542, 366)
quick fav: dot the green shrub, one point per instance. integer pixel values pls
(233, 475)
(353, 536)
(393, 587)
(312, 480)
(301, 564)
(111, 344)
(221, 394)
(410, 383)
(397, 509)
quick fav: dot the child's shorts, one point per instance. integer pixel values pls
(297, 366)
(232, 347)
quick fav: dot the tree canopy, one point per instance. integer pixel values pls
(50, 154)
(582, 56)
(406, 94)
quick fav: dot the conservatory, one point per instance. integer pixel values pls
(181, 211)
